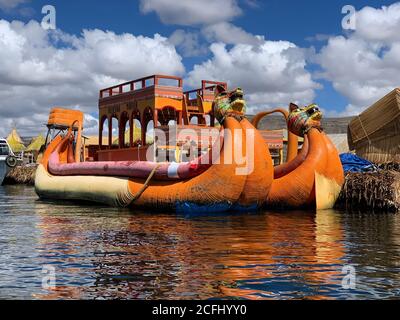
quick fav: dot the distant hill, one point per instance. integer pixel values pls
(330, 125)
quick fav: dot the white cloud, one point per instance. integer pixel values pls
(319, 37)
(188, 42)
(14, 7)
(7, 5)
(210, 16)
(252, 3)
(230, 34)
(40, 69)
(192, 44)
(272, 74)
(379, 24)
(91, 125)
(365, 65)
(193, 12)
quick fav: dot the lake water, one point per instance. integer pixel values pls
(98, 252)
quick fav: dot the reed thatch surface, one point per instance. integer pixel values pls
(375, 118)
(15, 141)
(394, 166)
(21, 175)
(375, 133)
(371, 191)
(36, 144)
(383, 145)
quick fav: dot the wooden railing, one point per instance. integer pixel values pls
(206, 86)
(138, 84)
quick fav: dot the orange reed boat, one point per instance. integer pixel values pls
(227, 168)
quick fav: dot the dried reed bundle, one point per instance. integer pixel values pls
(394, 166)
(21, 175)
(375, 118)
(379, 190)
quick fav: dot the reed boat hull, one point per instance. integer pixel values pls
(107, 190)
(217, 189)
(117, 192)
(313, 179)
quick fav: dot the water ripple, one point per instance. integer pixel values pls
(106, 253)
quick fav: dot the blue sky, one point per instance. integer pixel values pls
(307, 25)
(291, 20)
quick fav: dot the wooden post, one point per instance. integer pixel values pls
(212, 119)
(155, 117)
(101, 134)
(180, 118)
(78, 146)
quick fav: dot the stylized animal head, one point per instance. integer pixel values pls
(229, 103)
(301, 120)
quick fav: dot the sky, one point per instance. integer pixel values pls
(277, 51)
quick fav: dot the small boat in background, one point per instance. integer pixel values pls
(7, 159)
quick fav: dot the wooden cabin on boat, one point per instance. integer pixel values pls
(154, 102)
(134, 115)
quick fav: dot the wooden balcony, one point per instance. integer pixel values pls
(155, 86)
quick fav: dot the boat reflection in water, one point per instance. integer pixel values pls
(106, 253)
(142, 256)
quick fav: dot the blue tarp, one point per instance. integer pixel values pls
(353, 163)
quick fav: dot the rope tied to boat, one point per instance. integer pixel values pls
(127, 199)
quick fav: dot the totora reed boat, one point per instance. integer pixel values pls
(194, 164)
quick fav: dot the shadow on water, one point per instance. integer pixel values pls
(102, 253)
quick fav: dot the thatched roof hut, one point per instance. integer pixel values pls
(375, 133)
(36, 144)
(15, 142)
